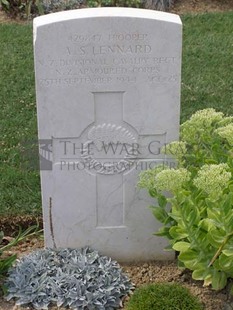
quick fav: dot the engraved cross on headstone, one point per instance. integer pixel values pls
(116, 147)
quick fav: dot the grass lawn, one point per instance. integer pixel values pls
(207, 81)
(207, 69)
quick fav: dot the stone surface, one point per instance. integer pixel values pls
(108, 97)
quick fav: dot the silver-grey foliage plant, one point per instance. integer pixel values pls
(75, 278)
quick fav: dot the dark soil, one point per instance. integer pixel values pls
(201, 6)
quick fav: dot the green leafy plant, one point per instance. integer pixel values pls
(163, 296)
(52, 6)
(115, 3)
(197, 218)
(7, 261)
(160, 5)
(32, 7)
(129, 3)
(22, 8)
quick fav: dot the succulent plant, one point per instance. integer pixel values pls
(74, 278)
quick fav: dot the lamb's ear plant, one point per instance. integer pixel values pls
(197, 215)
(74, 278)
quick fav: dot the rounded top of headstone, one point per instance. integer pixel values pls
(105, 12)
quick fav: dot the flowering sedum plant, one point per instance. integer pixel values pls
(197, 215)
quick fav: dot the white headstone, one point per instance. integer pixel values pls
(108, 97)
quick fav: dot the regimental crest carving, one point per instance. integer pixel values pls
(110, 133)
(113, 146)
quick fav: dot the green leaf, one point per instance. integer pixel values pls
(190, 212)
(216, 237)
(194, 216)
(168, 248)
(215, 215)
(200, 274)
(231, 187)
(163, 232)
(229, 223)
(162, 201)
(210, 204)
(228, 204)
(30, 231)
(6, 263)
(226, 262)
(206, 224)
(216, 265)
(153, 193)
(181, 265)
(6, 3)
(190, 258)
(178, 233)
(228, 252)
(175, 217)
(208, 279)
(181, 246)
(219, 280)
(160, 214)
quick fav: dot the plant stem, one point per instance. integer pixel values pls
(216, 255)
